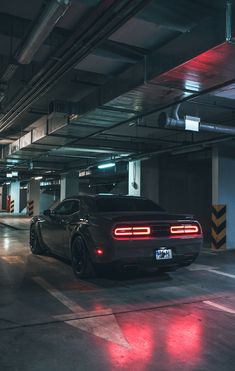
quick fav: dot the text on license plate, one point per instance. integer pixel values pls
(163, 254)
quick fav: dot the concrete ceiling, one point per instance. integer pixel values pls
(94, 86)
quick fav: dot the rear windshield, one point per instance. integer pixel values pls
(126, 204)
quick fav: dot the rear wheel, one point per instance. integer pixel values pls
(35, 245)
(81, 262)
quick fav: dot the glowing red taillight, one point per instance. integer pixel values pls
(122, 232)
(99, 251)
(185, 229)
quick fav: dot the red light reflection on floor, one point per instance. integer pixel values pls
(184, 338)
(162, 338)
(142, 341)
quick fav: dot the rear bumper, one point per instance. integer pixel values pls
(176, 261)
(143, 253)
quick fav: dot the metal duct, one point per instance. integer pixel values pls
(164, 121)
(42, 28)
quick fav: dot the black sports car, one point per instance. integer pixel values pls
(93, 231)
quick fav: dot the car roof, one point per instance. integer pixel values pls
(104, 196)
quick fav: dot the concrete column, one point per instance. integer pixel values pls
(34, 195)
(1, 190)
(215, 176)
(15, 196)
(150, 179)
(223, 189)
(69, 185)
(134, 178)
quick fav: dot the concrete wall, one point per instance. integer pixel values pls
(23, 199)
(47, 199)
(185, 186)
(134, 178)
(150, 179)
(4, 197)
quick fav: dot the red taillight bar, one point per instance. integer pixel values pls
(185, 229)
(131, 231)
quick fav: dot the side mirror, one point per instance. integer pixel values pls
(47, 212)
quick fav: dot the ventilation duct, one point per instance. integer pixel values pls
(165, 121)
(42, 28)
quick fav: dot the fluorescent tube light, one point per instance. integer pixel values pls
(106, 166)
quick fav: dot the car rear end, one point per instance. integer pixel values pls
(157, 244)
(152, 240)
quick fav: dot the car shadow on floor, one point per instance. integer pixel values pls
(117, 276)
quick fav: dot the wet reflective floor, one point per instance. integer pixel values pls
(49, 320)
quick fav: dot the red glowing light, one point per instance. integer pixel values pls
(184, 339)
(142, 343)
(131, 231)
(185, 229)
(99, 251)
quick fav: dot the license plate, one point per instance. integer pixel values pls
(163, 254)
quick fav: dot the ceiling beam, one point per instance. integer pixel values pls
(205, 36)
(108, 16)
(121, 52)
(180, 16)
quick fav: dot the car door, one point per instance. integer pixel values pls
(69, 222)
(54, 226)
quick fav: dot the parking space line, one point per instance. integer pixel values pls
(222, 273)
(58, 295)
(100, 323)
(208, 268)
(219, 306)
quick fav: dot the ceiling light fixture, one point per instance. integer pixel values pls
(37, 177)
(107, 165)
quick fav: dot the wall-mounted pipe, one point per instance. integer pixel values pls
(228, 35)
(165, 121)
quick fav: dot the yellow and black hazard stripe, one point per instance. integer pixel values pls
(12, 206)
(218, 230)
(30, 208)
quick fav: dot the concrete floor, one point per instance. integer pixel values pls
(145, 321)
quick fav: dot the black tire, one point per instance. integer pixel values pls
(35, 245)
(81, 261)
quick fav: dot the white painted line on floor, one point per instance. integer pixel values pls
(13, 259)
(219, 306)
(201, 267)
(209, 252)
(208, 268)
(223, 273)
(57, 294)
(100, 323)
(105, 327)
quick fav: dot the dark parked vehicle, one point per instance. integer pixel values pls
(93, 231)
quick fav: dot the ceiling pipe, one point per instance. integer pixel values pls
(92, 32)
(165, 121)
(228, 35)
(176, 111)
(42, 28)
